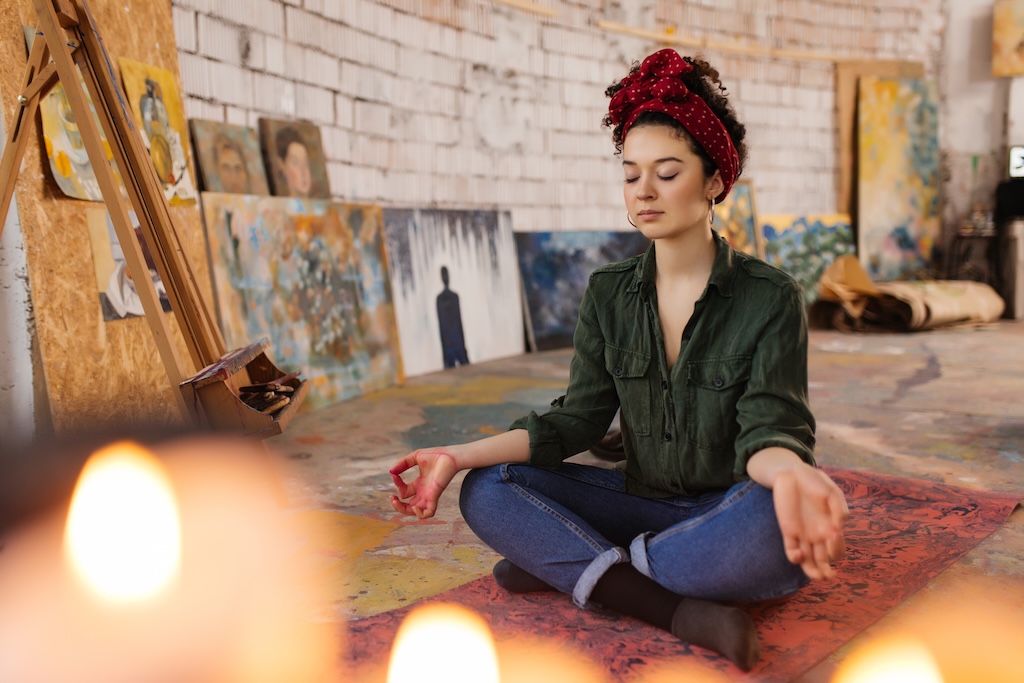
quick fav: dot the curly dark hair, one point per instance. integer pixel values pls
(703, 81)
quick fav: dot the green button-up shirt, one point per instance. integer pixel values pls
(739, 384)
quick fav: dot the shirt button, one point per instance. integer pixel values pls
(617, 371)
(718, 382)
(666, 437)
(811, 440)
(664, 384)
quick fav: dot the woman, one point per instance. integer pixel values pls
(293, 162)
(705, 351)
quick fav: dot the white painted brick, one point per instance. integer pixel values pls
(313, 103)
(321, 69)
(219, 40)
(275, 55)
(234, 85)
(184, 28)
(202, 109)
(337, 143)
(295, 62)
(344, 111)
(195, 76)
(273, 95)
(236, 116)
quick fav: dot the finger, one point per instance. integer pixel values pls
(404, 464)
(822, 560)
(399, 506)
(837, 547)
(788, 514)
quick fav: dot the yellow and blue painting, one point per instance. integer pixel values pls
(898, 177)
(736, 219)
(804, 246)
(312, 276)
(1008, 38)
(555, 267)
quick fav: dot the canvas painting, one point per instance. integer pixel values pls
(118, 296)
(898, 177)
(804, 246)
(153, 95)
(69, 161)
(229, 158)
(295, 161)
(736, 219)
(1008, 38)
(456, 286)
(556, 267)
(311, 276)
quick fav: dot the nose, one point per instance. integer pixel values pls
(644, 188)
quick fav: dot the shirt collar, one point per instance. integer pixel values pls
(723, 270)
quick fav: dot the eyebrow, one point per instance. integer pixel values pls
(626, 162)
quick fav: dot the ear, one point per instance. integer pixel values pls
(714, 185)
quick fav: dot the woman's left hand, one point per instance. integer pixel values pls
(811, 511)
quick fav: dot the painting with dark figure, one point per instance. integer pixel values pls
(449, 320)
(555, 267)
(294, 152)
(229, 158)
(479, 253)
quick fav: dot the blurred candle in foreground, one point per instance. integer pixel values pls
(443, 643)
(890, 659)
(123, 536)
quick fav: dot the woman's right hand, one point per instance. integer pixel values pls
(436, 469)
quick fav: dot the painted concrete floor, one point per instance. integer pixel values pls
(943, 406)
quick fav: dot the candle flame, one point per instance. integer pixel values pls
(123, 536)
(443, 643)
(896, 659)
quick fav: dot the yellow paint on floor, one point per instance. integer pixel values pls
(472, 391)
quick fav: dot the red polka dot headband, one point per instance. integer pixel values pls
(658, 86)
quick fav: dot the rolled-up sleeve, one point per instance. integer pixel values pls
(580, 418)
(774, 409)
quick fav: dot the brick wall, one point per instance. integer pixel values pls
(470, 103)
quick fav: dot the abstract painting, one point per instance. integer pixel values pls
(229, 158)
(295, 161)
(898, 177)
(804, 246)
(736, 219)
(311, 276)
(153, 95)
(65, 150)
(1008, 38)
(555, 267)
(119, 299)
(456, 287)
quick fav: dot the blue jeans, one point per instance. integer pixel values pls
(568, 526)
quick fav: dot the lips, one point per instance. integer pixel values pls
(648, 215)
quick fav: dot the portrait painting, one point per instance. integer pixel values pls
(65, 151)
(897, 177)
(228, 157)
(736, 219)
(804, 246)
(1008, 38)
(555, 269)
(118, 296)
(310, 275)
(456, 287)
(154, 98)
(295, 161)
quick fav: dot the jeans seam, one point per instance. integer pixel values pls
(723, 505)
(568, 523)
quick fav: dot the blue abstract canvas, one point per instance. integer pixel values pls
(555, 268)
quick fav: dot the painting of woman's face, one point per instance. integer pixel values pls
(296, 170)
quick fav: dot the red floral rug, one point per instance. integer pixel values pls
(901, 534)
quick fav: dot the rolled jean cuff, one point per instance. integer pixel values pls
(593, 573)
(638, 554)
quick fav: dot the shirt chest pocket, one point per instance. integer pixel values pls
(629, 370)
(714, 388)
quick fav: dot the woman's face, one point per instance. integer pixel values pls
(665, 190)
(296, 170)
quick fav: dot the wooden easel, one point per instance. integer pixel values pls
(68, 34)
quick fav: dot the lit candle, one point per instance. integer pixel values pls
(891, 659)
(172, 565)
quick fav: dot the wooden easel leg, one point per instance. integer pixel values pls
(17, 138)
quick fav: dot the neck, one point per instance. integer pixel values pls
(690, 255)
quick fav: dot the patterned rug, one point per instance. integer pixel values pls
(901, 534)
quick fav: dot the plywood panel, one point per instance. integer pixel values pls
(96, 373)
(847, 74)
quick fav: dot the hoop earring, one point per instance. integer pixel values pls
(711, 212)
(630, 219)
